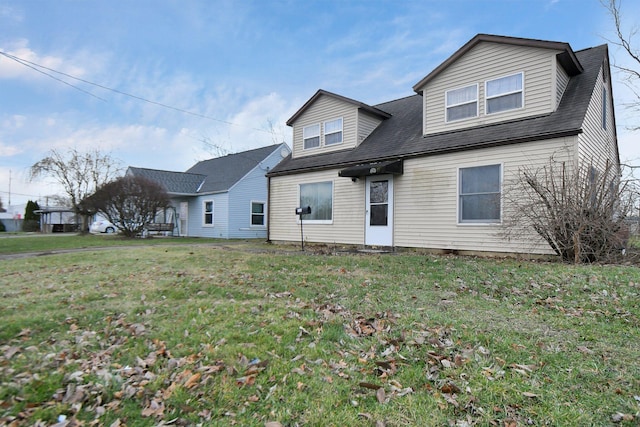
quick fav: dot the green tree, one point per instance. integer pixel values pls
(31, 219)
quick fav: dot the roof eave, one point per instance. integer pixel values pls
(432, 152)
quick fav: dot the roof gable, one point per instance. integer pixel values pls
(223, 172)
(567, 57)
(360, 105)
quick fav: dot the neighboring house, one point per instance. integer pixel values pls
(225, 197)
(429, 170)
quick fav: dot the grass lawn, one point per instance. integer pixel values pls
(261, 335)
(15, 243)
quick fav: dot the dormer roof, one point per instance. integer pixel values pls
(566, 57)
(373, 110)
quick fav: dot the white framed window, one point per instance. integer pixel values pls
(311, 136)
(479, 194)
(461, 103)
(207, 212)
(258, 214)
(504, 93)
(333, 132)
(319, 196)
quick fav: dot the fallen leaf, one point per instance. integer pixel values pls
(193, 380)
(381, 395)
(450, 388)
(531, 395)
(619, 417)
(585, 350)
(369, 386)
(272, 424)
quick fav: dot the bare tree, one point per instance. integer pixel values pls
(79, 174)
(579, 212)
(625, 40)
(129, 202)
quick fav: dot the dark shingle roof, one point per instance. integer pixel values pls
(223, 172)
(209, 176)
(401, 135)
(173, 182)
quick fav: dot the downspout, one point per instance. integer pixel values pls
(268, 208)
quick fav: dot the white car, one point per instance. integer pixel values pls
(102, 226)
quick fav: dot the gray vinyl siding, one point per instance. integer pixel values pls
(323, 109)
(562, 80)
(348, 209)
(596, 144)
(484, 62)
(366, 124)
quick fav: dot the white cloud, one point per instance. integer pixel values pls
(11, 69)
(8, 150)
(11, 13)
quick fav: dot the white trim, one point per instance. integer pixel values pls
(324, 129)
(204, 213)
(446, 107)
(264, 215)
(333, 197)
(487, 98)
(480, 222)
(319, 136)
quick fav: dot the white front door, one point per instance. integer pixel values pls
(379, 215)
(184, 215)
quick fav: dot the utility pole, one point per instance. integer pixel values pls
(9, 187)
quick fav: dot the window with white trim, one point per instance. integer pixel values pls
(311, 136)
(207, 210)
(257, 214)
(479, 191)
(333, 132)
(504, 94)
(318, 195)
(461, 103)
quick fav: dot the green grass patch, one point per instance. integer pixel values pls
(25, 243)
(248, 334)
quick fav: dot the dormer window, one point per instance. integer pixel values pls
(311, 135)
(462, 103)
(504, 93)
(333, 132)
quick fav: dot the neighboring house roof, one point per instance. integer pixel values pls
(401, 135)
(373, 110)
(173, 182)
(223, 172)
(209, 176)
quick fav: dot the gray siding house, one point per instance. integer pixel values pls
(429, 170)
(224, 197)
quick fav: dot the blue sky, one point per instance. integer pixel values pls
(230, 73)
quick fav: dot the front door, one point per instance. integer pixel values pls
(184, 215)
(379, 216)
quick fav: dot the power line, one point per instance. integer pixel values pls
(36, 67)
